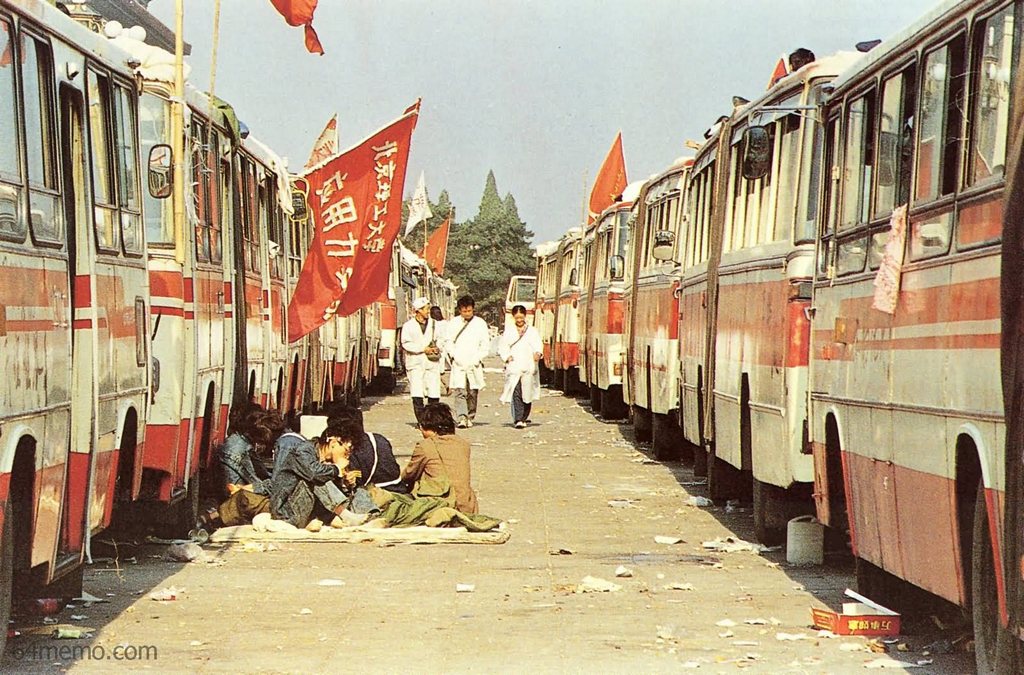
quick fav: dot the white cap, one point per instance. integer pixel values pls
(420, 303)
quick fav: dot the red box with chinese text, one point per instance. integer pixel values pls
(863, 617)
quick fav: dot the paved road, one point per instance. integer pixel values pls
(580, 501)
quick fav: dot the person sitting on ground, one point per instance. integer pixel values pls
(239, 463)
(371, 458)
(442, 455)
(303, 488)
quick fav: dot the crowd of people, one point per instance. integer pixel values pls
(345, 476)
(435, 348)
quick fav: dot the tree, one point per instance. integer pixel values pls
(484, 252)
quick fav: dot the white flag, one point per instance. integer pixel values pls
(419, 207)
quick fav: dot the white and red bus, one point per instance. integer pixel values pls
(546, 305)
(651, 331)
(522, 290)
(906, 413)
(567, 320)
(219, 291)
(606, 244)
(74, 337)
(745, 293)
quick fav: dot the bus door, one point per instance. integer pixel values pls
(80, 458)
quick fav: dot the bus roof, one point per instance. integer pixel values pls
(891, 44)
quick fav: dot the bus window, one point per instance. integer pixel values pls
(37, 78)
(11, 227)
(127, 171)
(153, 129)
(810, 177)
(197, 132)
(894, 142)
(789, 163)
(101, 156)
(850, 256)
(930, 237)
(214, 192)
(859, 162)
(993, 52)
(733, 234)
(938, 135)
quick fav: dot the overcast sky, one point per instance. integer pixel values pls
(533, 89)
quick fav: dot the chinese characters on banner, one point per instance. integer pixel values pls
(887, 280)
(355, 202)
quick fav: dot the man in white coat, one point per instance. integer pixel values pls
(468, 343)
(422, 356)
(520, 348)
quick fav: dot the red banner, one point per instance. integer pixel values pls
(355, 204)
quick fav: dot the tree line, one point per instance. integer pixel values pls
(485, 251)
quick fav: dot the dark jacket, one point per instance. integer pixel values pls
(294, 463)
(379, 468)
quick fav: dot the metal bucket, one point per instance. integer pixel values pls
(805, 541)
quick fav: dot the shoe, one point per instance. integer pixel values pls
(314, 525)
(463, 423)
(520, 425)
(469, 423)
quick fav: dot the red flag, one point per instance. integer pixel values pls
(611, 180)
(300, 13)
(780, 71)
(356, 207)
(437, 247)
(326, 144)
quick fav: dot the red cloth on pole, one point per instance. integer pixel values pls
(779, 72)
(611, 180)
(355, 204)
(300, 13)
(437, 247)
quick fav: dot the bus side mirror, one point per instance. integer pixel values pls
(617, 266)
(757, 152)
(664, 245)
(160, 177)
(300, 204)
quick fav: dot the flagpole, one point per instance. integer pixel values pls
(177, 131)
(213, 51)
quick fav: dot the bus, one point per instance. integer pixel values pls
(567, 319)
(651, 329)
(606, 245)
(546, 308)
(745, 297)
(522, 290)
(74, 337)
(906, 418)
(219, 281)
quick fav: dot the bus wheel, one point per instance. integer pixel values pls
(642, 424)
(6, 575)
(984, 599)
(666, 437)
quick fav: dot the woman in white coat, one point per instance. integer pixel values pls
(520, 348)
